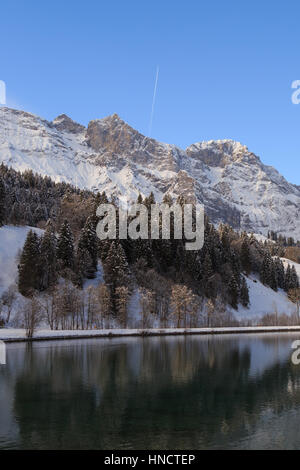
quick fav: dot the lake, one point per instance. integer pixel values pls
(183, 392)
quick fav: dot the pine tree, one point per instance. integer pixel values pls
(65, 247)
(84, 265)
(244, 293)
(29, 265)
(2, 202)
(287, 278)
(273, 276)
(279, 269)
(116, 271)
(233, 291)
(48, 257)
(245, 255)
(265, 270)
(87, 256)
(294, 281)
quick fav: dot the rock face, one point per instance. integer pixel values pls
(232, 183)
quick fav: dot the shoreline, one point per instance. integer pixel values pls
(13, 335)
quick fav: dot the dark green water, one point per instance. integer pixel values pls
(224, 392)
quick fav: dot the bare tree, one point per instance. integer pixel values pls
(104, 300)
(122, 296)
(8, 299)
(210, 308)
(31, 316)
(181, 301)
(91, 306)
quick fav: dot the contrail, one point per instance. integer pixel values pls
(153, 102)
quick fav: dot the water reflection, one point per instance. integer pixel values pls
(156, 393)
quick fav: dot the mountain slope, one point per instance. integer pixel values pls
(232, 183)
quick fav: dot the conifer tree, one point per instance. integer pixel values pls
(245, 255)
(233, 291)
(294, 284)
(2, 202)
(29, 265)
(48, 257)
(65, 246)
(244, 293)
(88, 242)
(287, 278)
(116, 269)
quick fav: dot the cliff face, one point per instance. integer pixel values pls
(232, 183)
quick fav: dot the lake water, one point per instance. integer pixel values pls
(193, 392)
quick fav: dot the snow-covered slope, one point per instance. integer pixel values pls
(12, 240)
(232, 183)
(264, 300)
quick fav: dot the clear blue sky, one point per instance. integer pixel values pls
(226, 68)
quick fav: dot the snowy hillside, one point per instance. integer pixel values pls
(231, 182)
(264, 300)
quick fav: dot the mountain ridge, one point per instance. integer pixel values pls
(110, 155)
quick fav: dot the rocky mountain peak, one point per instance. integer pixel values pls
(220, 153)
(64, 123)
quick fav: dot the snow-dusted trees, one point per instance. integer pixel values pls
(2, 202)
(87, 250)
(233, 291)
(29, 266)
(245, 254)
(116, 271)
(48, 257)
(65, 247)
(244, 293)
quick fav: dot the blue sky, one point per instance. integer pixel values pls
(226, 68)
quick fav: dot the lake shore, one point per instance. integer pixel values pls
(10, 335)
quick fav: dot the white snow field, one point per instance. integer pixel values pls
(265, 300)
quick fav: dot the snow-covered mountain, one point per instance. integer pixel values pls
(232, 183)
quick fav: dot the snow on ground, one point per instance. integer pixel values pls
(12, 239)
(10, 334)
(264, 300)
(261, 238)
